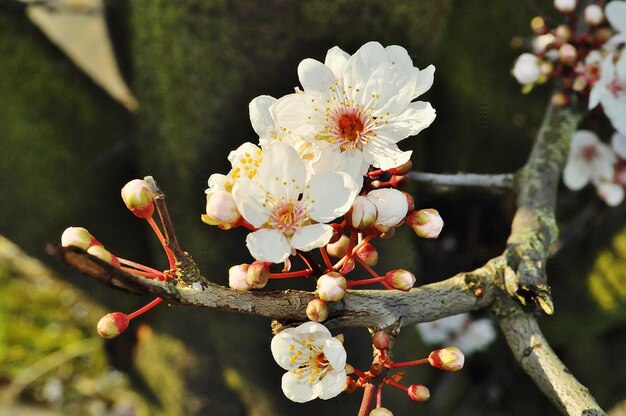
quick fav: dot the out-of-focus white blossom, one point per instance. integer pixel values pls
(593, 14)
(314, 361)
(589, 160)
(610, 90)
(461, 330)
(526, 69)
(615, 12)
(565, 6)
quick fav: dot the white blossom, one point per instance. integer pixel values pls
(610, 90)
(314, 361)
(618, 142)
(526, 69)
(589, 160)
(461, 330)
(289, 210)
(362, 105)
(565, 6)
(611, 193)
(615, 12)
(391, 206)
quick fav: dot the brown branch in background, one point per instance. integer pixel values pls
(499, 182)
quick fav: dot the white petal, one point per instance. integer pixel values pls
(237, 155)
(353, 164)
(398, 55)
(414, 119)
(315, 329)
(268, 245)
(292, 112)
(576, 174)
(315, 76)
(299, 391)
(583, 138)
(363, 63)
(618, 141)
(615, 13)
(336, 60)
(260, 115)
(598, 91)
(393, 87)
(424, 80)
(311, 236)
(615, 110)
(384, 153)
(331, 385)
(611, 193)
(391, 204)
(280, 348)
(335, 353)
(250, 197)
(217, 182)
(331, 195)
(282, 173)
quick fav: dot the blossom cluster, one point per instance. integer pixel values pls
(591, 66)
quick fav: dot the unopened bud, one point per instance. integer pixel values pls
(139, 198)
(526, 69)
(410, 201)
(381, 411)
(425, 223)
(112, 324)
(602, 35)
(403, 169)
(348, 369)
(392, 207)
(448, 359)
(317, 310)
(381, 340)
(538, 25)
(565, 6)
(258, 274)
(339, 248)
(77, 237)
(580, 83)
(351, 385)
(368, 254)
(362, 214)
(104, 254)
(568, 54)
(331, 287)
(594, 15)
(400, 279)
(238, 277)
(376, 368)
(540, 44)
(347, 267)
(559, 99)
(418, 392)
(221, 210)
(340, 337)
(563, 33)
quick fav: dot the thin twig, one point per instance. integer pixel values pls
(498, 182)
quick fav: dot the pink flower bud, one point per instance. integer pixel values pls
(368, 254)
(526, 69)
(539, 45)
(447, 359)
(339, 248)
(563, 33)
(347, 267)
(400, 279)
(139, 198)
(317, 310)
(392, 207)
(418, 392)
(258, 274)
(381, 411)
(331, 287)
(381, 340)
(112, 324)
(410, 201)
(362, 214)
(568, 54)
(238, 277)
(565, 6)
(221, 210)
(77, 237)
(104, 254)
(425, 223)
(594, 15)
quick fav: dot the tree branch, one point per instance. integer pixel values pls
(499, 182)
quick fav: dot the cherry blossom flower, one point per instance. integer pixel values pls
(289, 210)
(461, 330)
(610, 90)
(526, 69)
(611, 193)
(314, 361)
(618, 142)
(362, 105)
(589, 160)
(615, 12)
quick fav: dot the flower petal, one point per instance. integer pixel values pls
(618, 141)
(250, 200)
(336, 60)
(331, 195)
(615, 13)
(315, 76)
(331, 385)
(611, 193)
(414, 119)
(268, 245)
(298, 390)
(282, 173)
(576, 174)
(384, 154)
(425, 80)
(363, 63)
(292, 112)
(311, 236)
(280, 347)
(335, 353)
(313, 328)
(260, 115)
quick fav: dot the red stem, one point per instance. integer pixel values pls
(359, 373)
(144, 309)
(396, 385)
(365, 281)
(365, 408)
(149, 275)
(168, 252)
(287, 275)
(327, 262)
(139, 266)
(379, 396)
(408, 363)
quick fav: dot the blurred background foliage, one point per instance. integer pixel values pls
(67, 148)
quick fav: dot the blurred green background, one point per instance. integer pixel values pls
(67, 148)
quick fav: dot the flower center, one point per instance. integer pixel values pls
(617, 87)
(350, 127)
(288, 216)
(589, 153)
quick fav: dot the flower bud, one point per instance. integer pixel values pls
(559, 99)
(425, 223)
(238, 277)
(139, 198)
(381, 340)
(580, 83)
(331, 287)
(351, 385)
(538, 25)
(317, 310)
(526, 69)
(403, 169)
(418, 392)
(392, 207)
(112, 324)
(258, 274)
(565, 6)
(104, 255)
(368, 254)
(376, 368)
(398, 180)
(568, 54)
(77, 237)
(593, 15)
(362, 214)
(563, 33)
(348, 369)
(410, 201)
(221, 210)
(400, 279)
(540, 44)
(339, 248)
(381, 411)
(447, 359)
(347, 267)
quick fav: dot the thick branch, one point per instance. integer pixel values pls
(501, 182)
(532, 351)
